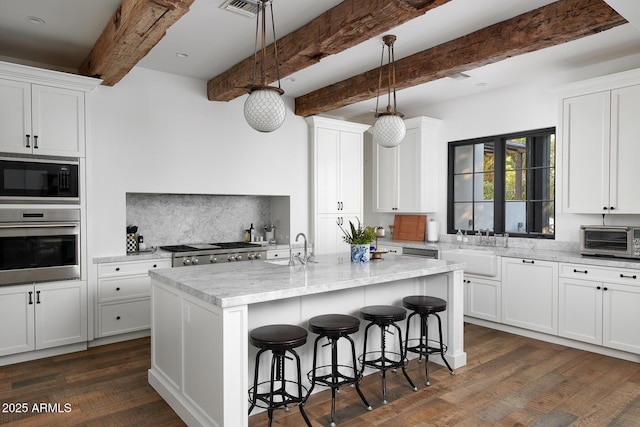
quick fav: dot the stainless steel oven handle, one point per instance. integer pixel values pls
(41, 225)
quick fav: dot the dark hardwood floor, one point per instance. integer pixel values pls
(509, 381)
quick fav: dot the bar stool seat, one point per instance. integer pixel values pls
(280, 340)
(334, 327)
(384, 316)
(425, 306)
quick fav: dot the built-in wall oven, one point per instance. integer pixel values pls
(39, 180)
(38, 245)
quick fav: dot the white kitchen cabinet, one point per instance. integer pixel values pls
(329, 235)
(599, 146)
(42, 316)
(124, 291)
(37, 119)
(530, 294)
(599, 305)
(404, 176)
(337, 180)
(483, 298)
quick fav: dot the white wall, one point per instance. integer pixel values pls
(157, 133)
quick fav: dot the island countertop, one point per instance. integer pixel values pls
(250, 282)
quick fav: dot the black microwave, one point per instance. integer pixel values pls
(31, 180)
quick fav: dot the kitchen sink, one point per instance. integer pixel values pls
(481, 262)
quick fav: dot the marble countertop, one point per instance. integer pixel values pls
(233, 284)
(542, 254)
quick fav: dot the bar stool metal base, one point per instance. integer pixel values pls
(425, 306)
(280, 340)
(384, 317)
(334, 327)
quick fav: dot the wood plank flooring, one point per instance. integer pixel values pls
(509, 381)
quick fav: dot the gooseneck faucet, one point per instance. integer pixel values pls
(306, 256)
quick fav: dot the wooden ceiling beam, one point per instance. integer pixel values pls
(550, 25)
(135, 28)
(341, 27)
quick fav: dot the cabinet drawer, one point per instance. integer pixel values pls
(131, 267)
(125, 317)
(116, 288)
(602, 274)
(283, 253)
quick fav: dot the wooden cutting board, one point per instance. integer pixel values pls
(409, 227)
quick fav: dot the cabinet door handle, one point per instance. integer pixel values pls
(155, 265)
(117, 317)
(28, 143)
(30, 297)
(117, 268)
(611, 208)
(528, 262)
(35, 142)
(605, 288)
(580, 271)
(117, 289)
(604, 208)
(598, 287)
(624, 276)
(37, 297)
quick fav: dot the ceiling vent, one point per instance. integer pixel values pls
(243, 7)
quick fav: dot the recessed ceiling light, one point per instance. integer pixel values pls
(34, 20)
(182, 55)
(481, 84)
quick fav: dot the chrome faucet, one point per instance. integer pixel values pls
(306, 257)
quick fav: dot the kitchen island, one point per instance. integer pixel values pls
(201, 360)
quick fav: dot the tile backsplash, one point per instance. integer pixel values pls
(165, 219)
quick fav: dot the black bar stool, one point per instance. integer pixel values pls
(384, 316)
(333, 327)
(280, 340)
(425, 306)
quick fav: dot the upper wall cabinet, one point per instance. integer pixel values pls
(42, 119)
(600, 151)
(404, 176)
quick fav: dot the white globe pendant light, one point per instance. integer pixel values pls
(264, 108)
(389, 129)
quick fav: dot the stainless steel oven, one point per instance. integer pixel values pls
(39, 245)
(37, 180)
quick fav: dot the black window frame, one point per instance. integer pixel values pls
(534, 153)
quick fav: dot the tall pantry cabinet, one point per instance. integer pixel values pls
(337, 180)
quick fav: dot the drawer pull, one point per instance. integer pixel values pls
(624, 276)
(117, 268)
(155, 265)
(528, 262)
(117, 317)
(580, 271)
(117, 289)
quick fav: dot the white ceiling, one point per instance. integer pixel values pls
(215, 39)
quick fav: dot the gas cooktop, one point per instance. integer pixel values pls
(209, 246)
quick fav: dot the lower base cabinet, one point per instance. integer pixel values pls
(483, 298)
(530, 294)
(42, 315)
(124, 292)
(599, 305)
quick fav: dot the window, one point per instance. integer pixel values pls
(504, 184)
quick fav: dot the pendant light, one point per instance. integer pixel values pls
(389, 129)
(264, 109)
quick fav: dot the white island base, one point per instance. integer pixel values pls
(202, 363)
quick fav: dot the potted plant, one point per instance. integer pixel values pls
(360, 239)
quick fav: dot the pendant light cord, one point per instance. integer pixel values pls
(262, 10)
